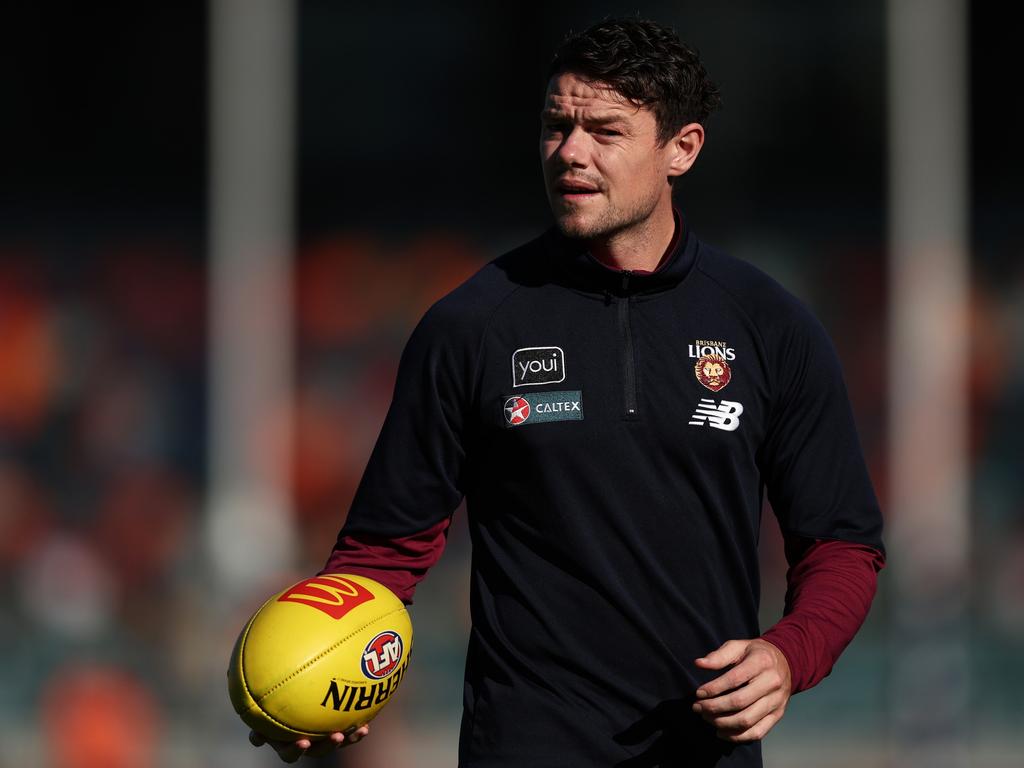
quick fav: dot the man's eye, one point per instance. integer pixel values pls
(608, 132)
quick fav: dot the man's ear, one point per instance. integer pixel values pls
(685, 146)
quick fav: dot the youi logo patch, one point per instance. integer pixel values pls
(537, 365)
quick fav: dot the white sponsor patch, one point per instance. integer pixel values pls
(724, 415)
(537, 365)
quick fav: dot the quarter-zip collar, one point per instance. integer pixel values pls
(585, 272)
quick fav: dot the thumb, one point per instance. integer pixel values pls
(728, 653)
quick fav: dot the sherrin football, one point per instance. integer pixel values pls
(324, 655)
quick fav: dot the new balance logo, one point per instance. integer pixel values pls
(725, 416)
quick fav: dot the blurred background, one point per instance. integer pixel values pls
(220, 221)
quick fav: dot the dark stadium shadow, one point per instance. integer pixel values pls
(681, 739)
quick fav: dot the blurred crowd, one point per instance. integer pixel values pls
(102, 462)
(101, 479)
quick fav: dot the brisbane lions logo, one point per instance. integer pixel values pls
(712, 371)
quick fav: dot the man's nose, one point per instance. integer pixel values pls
(574, 150)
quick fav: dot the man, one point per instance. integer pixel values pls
(611, 399)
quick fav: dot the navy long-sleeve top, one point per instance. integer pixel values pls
(613, 433)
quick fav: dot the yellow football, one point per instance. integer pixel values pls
(324, 655)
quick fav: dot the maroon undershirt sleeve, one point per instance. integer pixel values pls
(830, 585)
(397, 563)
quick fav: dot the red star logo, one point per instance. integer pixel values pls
(517, 410)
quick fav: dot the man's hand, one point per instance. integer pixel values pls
(748, 700)
(290, 751)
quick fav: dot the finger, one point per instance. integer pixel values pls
(357, 735)
(757, 657)
(326, 746)
(738, 722)
(756, 732)
(739, 675)
(728, 653)
(760, 685)
(291, 752)
(288, 751)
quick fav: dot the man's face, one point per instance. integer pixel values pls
(603, 169)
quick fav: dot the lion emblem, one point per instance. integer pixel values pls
(713, 372)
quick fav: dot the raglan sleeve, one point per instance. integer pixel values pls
(397, 525)
(820, 491)
(811, 459)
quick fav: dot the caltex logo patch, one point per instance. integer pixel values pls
(538, 407)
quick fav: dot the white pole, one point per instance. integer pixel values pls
(249, 535)
(929, 532)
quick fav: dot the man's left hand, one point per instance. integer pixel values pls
(748, 700)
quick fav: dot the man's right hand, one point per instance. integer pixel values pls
(290, 751)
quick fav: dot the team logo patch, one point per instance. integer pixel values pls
(543, 406)
(723, 415)
(712, 367)
(712, 371)
(381, 655)
(537, 365)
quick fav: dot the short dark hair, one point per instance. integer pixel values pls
(645, 62)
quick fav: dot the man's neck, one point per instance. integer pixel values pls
(641, 247)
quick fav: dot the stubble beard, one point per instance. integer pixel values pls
(609, 221)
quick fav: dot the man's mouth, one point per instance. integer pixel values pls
(575, 190)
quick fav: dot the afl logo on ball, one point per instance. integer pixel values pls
(381, 655)
(517, 410)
